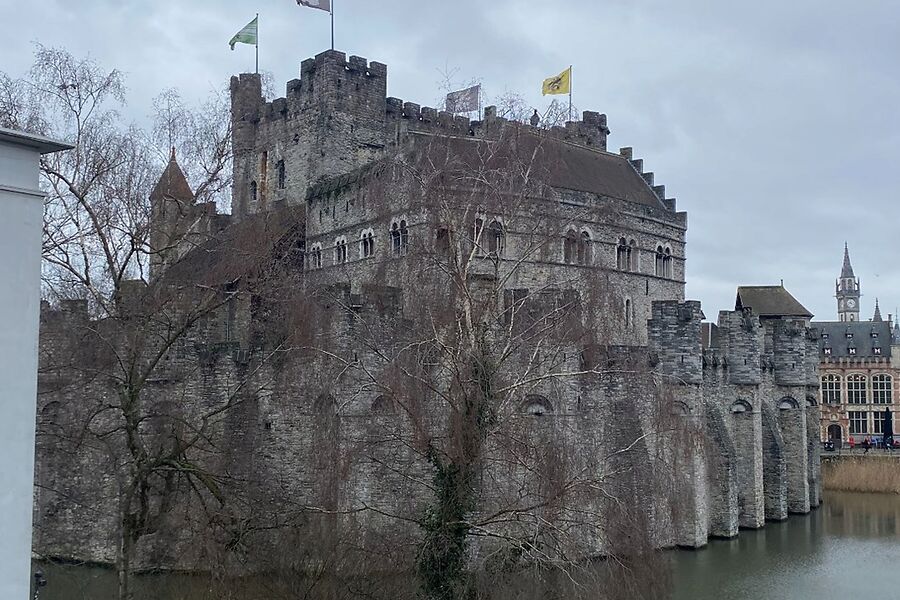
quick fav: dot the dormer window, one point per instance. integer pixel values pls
(824, 336)
(826, 351)
(874, 335)
(851, 351)
(876, 351)
(849, 335)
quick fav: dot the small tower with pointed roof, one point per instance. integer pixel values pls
(171, 214)
(877, 318)
(847, 291)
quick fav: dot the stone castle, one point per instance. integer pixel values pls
(379, 225)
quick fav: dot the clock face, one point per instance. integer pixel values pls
(851, 303)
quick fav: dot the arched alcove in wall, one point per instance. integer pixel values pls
(536, 406)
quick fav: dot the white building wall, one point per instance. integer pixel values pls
(21, 208)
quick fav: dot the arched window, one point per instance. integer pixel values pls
(570, 250)
(252, 191)
(404, 238)
(741, 406)
(629, 314)
(496, 238)
(633, 256)
(857, 388)
(622, 255)
(340, 250)
(399, 238)
(395, 238)
(477, 230)
(584, 248)
(831, 389)
(882, 389)
(315, 256)
(667, 263)
(787, 403)
(537, 406)
(367, 243)
(660, 265)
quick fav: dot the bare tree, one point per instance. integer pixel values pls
(475, 382)
(115, 347)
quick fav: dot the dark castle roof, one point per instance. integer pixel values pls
(862, 336)
(769, 301)
(172, 184)
(240, 249)
(557, 163)
(574, 167)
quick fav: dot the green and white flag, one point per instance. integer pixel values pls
(247, 35)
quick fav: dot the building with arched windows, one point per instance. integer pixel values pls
(859, 367)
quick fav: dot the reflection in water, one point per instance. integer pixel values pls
(848, 548)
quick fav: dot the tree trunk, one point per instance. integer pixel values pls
(123, 563)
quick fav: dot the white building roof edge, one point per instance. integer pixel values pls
(29, 140)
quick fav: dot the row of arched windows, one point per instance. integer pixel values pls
(857, 389)
(742, 406)
(577, 249)
(491, 240)
(399, 244)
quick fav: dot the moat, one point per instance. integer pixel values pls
(849, 548)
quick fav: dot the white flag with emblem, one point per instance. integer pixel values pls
(320, 4)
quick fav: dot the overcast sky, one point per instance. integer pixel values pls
(774, 123)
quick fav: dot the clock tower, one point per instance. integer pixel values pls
(847, 291)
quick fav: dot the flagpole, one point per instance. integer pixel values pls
(257, 43)
(570, 92)
(332, 24)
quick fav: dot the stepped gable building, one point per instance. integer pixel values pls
(366, 215)
(860, 366)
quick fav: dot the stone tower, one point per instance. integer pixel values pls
(331, 121)
(171, 209)
(847, 291)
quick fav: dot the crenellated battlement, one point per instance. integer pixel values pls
(337, 117)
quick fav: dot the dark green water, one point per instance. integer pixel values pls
(848, 549)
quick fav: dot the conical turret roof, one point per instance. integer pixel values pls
(877, 316)
(172, 183)
(847, 269)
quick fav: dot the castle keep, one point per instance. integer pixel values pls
(370, 239)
